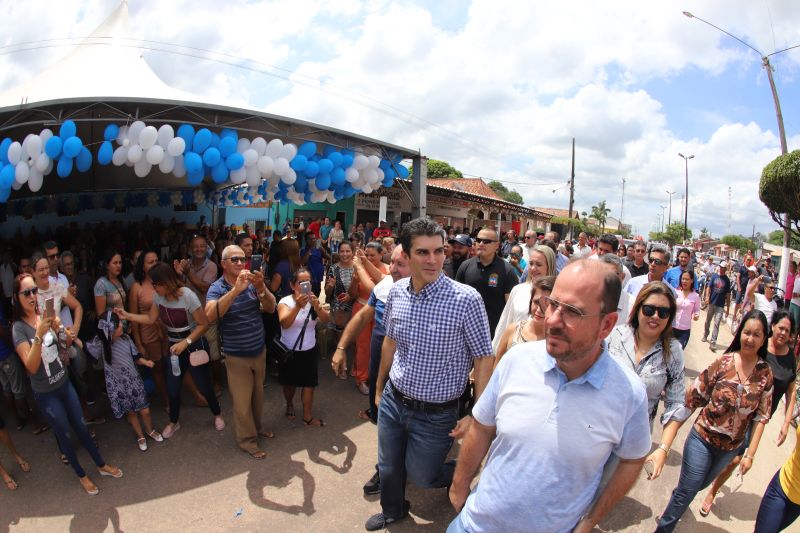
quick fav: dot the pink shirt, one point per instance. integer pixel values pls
(688, 306)
(790, 284)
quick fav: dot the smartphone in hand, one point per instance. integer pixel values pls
(256, 261)
(305, 287)
(50, 308)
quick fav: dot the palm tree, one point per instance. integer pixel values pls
(599, 213)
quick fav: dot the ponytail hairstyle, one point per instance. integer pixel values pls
(106, 326)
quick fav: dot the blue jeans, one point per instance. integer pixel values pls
(457, 525)
(411, 443)
(702, 463)
(682, 335)
(62, 410)
(201, 376)
(375, 345)
(777, 511)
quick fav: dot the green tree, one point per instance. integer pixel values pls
(440, 169)
(779, 188)
(776, 237)
(672, 235)
(504, 193)
(600, 213)
(743, 244)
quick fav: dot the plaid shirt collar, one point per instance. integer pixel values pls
(428, 289)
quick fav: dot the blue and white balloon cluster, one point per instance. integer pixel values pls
(33, 159)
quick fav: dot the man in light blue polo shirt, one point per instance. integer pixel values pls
(552, 414)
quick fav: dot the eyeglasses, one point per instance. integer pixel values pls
(570, 314)
(53, 256)
(529, 236)
(27, 293)
(638, 250)
(238, 259)
(657, 262)
(650, 310)
(484, 241)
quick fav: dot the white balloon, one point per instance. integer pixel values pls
(41, 162)
(250, 157)
(148, 137)
(22, 172)
(167, 164)
(135, 130)
(265, 165)
(281, 166)
(238, 176)
(25, 142)
(253, 176)
(360, 162)
(259, 145)
(126, 143)
(176, 146)
(155, 154)
(351, 174)
(274, 148)
(374, 161)
(49, 168)
(35, 180)
(359, 183)
(165, 135)
(14, 152)
(290, 177)
(122, 135)
(366, 189)
(312, 186)
(242, 145)
(289, 151)
(135, 153)
(16, 185)
(45, 135)
(371, 175)
(142, 168)
(119, 156)
(34, 146)
(180, 169)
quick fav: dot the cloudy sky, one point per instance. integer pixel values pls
(498, 89)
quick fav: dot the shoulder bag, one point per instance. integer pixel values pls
(280, 351)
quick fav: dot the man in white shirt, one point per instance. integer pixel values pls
(582, 249)
(659, 263)
(763, 302)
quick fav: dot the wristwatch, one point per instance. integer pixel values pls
(37, 339)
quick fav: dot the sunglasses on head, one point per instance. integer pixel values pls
(650, 310)
(27, 293)
(238, 259)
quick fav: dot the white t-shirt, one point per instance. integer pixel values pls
(57, 292)
(579, 252)
(765, 306)
(289, 336)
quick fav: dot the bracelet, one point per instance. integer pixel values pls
(664, 447)
(746, 456)
(341, 348)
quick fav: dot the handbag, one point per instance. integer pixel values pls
(198, 357)
(281, 352)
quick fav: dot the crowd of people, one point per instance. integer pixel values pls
(514, 345)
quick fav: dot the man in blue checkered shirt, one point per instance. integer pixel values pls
(436, 330)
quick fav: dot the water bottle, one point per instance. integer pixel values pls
(176, 366)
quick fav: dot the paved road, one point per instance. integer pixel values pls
(310, 481)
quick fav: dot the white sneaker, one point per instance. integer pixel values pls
(142, 444)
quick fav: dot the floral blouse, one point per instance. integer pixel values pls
(728, 405)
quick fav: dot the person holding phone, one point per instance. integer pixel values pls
(298, 314)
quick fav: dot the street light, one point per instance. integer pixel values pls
(686, 159)
(766, 64)
(622, 205)
(669, 217)
(662, 217)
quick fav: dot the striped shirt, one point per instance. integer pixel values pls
(438, 333)
(242, 331)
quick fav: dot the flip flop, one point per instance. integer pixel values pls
(267, 434)
(23, 465)
(364, 415)
(11, 484)
(258, 455)
(315, 422)
(706, 509)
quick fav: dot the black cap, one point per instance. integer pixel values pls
(463, 239)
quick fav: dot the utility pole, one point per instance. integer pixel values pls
(622, 206)
(669, 217)
(663, 207)
(729, 212)
(572, 189)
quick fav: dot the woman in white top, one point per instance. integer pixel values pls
(298, 314)
(542, 262)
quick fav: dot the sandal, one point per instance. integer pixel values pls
(64, 459)
(705, 509)
(92, 489)
(258, 455)
(290, 412)
(315, 422)
(115, 474)
(267, 434)
(41, 429)
(364, 415)
(156, 436)
(10, 483)
(23, 465)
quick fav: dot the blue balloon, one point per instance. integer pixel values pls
(229, 133)
(5, 192)
(211, 157)
(336, 178)
(338, 195)
(52, 147)
(235, 161)
(300, 184)
(195, 178)
(282, 186)
(325, 165)
(338, 173)
(84, 160)
(186, 132)
(72, 147)
(347, 152)
(308, 197)
(335, 158)
(220, 172)
(388, 181)
(6, 177)
(105, 153)
(202, 140)
(298, 163)
(384, 164)
(68, 129)
(402, 171)
(193, 162)
(64, 167)
(389, 173)
(214, 140)
(111, 132)
(4, 150)
(323, 182)
(328, 150)
(307, 149)
(312, 169)
(227, 145)
(347, 160)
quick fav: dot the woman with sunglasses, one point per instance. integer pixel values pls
(735, 390)
(531, 328)
(784, 371)
(37, 346)
(541, 262)
(688, 308)
(646, 345)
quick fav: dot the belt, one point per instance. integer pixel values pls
(419, 405)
